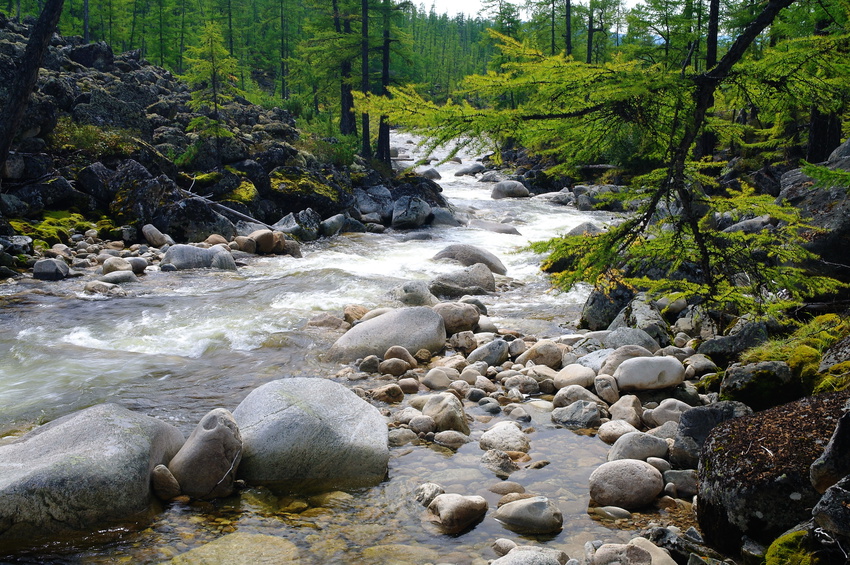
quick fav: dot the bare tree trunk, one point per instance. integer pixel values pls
(25, 79)
(383, 148)
(347, 120)
(366, 149)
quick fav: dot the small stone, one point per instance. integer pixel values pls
(536, 515)
(454, 512)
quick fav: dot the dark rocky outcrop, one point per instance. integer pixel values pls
(754, 470)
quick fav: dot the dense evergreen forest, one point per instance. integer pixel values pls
(690, 101)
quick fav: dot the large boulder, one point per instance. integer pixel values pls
(447, 412)
(477, 279)
(410, 212)
(508, 189)
(468, 255)
(627, 483)
(725, 349)
(81, 471)
(310, 433)
(412, 328)
(694, 427)
(754, 470)
(649, 373)
(761, 385)
(642, 314)
(458, 316)
(601, 307)
(191, 257)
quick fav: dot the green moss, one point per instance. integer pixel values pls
(246, 192)
(710, 383)
(820, 334)
(835, 378)
(91, 141)
(55, 227)
(804, 361)
(288, 182)
(206, 180)
(792, 549)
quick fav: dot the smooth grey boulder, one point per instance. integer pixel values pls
(119, 277)
(505, 436)
(623, 336)
(458, 316)
(532, 555)
(627, 483)
(493, 353)
(508, 189)
(637, 445)
(454, 512)
(415, 293)
(50, 270)
(205, 467)
(84, 470)
(468, 255)
(412, 328)
(470, 169)
(535, 515)
(156, 237)
(476, 279)
(447, 412)
(311, 433)
(191, 257)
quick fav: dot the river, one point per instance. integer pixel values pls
(186, 342)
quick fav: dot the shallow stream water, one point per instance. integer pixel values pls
(186, 342)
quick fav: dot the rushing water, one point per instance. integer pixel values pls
(186, 342)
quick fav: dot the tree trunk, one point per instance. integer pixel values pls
(568, 33)
(707, 140)
(383, 148)
(366, 149)
(27, 75)
(347, 120)
(86, 32)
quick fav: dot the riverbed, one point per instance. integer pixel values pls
(183, 343)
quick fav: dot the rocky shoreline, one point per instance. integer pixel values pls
(438, 372)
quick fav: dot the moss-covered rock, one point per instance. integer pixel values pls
(294, 189)
(804, 362)
(245, 193)
(794, 548)
(835, 378)
(55, 227)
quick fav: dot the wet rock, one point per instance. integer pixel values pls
(684, 482)
(606, 388)
(509, 189)
(244, 548)
(628, 409)
(627, 483)
(537, 515)
(578, 415)
(468, 255)
(50, 269)
(410, 212)
(477, 279)
(116, 264)
(119, 277)
(447, 412)
(505, 436)
(669, 410)
(191, 257)
(312, 432)
(470, 169)
(390, 393)
(415, 293)
(573, 393)
(81, 471)
(451, 439)
(455, 513)
(426, 493)
(205, 467)
(601, 308)
(493, 227)
(499, 463)
(412, 328)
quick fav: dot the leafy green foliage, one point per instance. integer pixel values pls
(211, 72)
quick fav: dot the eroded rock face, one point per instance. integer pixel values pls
(81, 471)
(754, 470)
(310, 432)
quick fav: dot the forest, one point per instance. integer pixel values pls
(686, 102)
